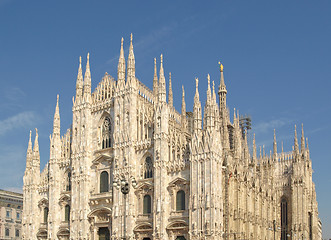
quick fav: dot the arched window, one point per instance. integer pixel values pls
(45, 214)
(67, 213)
(180, 238)
(104, 233)
(180, 200)
(283, 206)
(7, 232)
(147, 209)
(104, 179)
(68, 183)
(310, 225)
(148, 168)
(106, 133)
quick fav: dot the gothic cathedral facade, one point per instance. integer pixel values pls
(133, 167)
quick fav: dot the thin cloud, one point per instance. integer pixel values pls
(13, 94)
(149, 40)
(23, 119)
(12, 164)
(11, 98)
(264, 127)
(14, 189)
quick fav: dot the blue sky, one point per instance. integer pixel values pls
(276, 57)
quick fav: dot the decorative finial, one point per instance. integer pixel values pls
(88, 57)
(221, 66)
(36, 131)
(131, 36)
(161, 58)
(282, 147)
(154, 61)
(169, 76)
(196, 83)
(80, 61)
(57, 98)
(213, 86)
(208, 78)
(122, 40)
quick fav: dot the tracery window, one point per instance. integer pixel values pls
(180, 238)
(148, 168)
(45, 214)
(68, 183)
(106, 133)
(147, 208)
(104, 182)
(180, 200)
(284, 219)
(67, 213)
(310, 222)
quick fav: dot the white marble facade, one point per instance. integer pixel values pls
(133, 167)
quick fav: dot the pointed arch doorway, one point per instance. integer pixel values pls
(103, 233)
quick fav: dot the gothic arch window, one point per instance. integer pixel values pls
(180, 200)
(310, 225)
(180, 238)
(147, 208)
(148, 168)
(104, 182)
(284, 218)
(68, 181)
(103, 233)
(45, 214)
(106, 133)
(67, 213)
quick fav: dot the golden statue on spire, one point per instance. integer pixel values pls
(221, 66)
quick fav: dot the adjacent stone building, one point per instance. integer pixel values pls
(133, 167)
(11, 207)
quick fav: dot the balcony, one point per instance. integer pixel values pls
(64, 225)
(101, 198)
(145, 218)
(43, 226)
(182, 215)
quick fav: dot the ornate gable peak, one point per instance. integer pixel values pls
(143, 227)
(43, 202)
(144, 185)
(177, 225)
(64, 199)
(178, 181)
(99, 210)
(103, 157)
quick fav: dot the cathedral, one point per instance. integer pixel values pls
(133, 167)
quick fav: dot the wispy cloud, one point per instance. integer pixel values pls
(264, 127)
(20, 120)
(12, 164)
(162, 35)
(13, 93)
(11, 97)
(14, 189)
(149, 40)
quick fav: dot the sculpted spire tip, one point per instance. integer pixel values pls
(221, 66)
